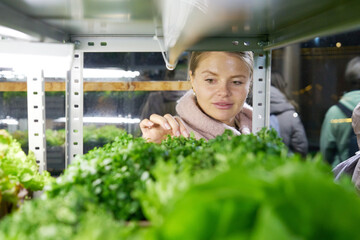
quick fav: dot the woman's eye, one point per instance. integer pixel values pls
(237, 82)
(209, 80)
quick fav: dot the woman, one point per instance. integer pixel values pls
(283, 109)
(220, 85)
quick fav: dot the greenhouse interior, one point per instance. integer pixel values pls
(85, 84)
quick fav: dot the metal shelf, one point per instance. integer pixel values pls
(173, 27)
(273, 23)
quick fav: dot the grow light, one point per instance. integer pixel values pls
(9, 121)
(105, 120)
(12, 33)
(89, 73)
(24, 57)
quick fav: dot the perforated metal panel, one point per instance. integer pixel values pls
(74, 109)
(261, 90)
(103, 43)
(36, 116)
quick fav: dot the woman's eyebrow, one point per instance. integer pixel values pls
(208, 71)
(213, 73)
(238, 76)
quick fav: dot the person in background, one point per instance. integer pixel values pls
(284, 118)
(351, 166)
(335, 136)
(220, 85)
(162, 102)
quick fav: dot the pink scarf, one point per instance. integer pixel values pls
(203, 126)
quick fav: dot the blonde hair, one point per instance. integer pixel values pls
(246, 56)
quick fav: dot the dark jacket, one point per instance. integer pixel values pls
(335, 133)
(161, 103)
(291, 128)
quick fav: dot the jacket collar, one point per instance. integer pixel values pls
(188, 109)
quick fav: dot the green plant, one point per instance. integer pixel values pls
(230, 187)
(19, 172)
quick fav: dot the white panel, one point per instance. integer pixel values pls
(261, 90)
(36, 116)
(74, 109)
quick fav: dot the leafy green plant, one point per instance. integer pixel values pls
(117, 173)
(18, 171)
(113, 172)
(110, 174)
(230, 187)
(295, 200)
(9, 95)
(93, 136)
(22, 138)
(55, 137)
(194, 161)
(74, 216)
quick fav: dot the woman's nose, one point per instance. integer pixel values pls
(224, 89)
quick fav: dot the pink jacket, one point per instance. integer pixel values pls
(203, 126)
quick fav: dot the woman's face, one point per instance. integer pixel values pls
(221, 83)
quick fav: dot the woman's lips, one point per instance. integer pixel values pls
(223, 105)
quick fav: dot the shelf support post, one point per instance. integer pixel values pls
(261, 90)
(74, 109)
(36, 116)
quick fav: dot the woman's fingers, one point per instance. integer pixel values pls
(183, 130)
(153, 132)
(169, 122)
(146, 123)
(175, 127)
(157, 127)
(160, 120)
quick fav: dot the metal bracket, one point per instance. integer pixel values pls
(100, 43)
(74, 109)
(261, 90)
(36, 116)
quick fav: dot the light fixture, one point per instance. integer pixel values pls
(106, 120)
(89, 73)
(53, 58)
(12, 33)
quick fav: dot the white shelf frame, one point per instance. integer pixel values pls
(74, 109)
(36, 116)
(260, 34)
(74, 121)
(261, 90)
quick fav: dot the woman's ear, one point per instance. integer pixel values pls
(191, 76)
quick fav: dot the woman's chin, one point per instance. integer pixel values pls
(224, 119)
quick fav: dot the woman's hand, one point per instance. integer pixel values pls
(158, 127)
